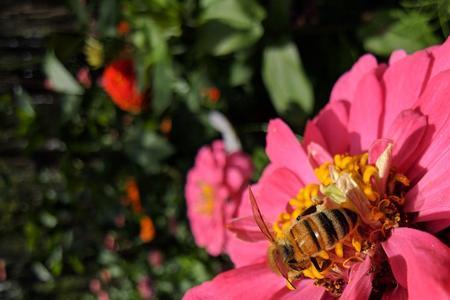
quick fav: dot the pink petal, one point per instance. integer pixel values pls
(397, 55)
(250, 282)
(238, 171)
(284, 149)
(429, 196)
(313, 134)
(332, 122)
(441, 55)
(420, 263)
(360, 282)
(404, 81)
(246, 229)
(345, 87)
(438, 225)
(377, 148)
(435, 105)
(399, 293)
(271, 205)
(276, 190)
(364, 123)
(305, 289)
(406, 132)
(317, 155)
(244, 253)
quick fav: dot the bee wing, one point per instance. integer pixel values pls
(281, 266)
(246, 229)
(259, 219)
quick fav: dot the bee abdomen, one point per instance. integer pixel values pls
(343, 222)
(322, 230)
(333, 225)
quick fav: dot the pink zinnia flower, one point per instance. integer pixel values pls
(213, 191)
(380, 148)
(145, 288)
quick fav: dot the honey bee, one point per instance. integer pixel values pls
(303, 241)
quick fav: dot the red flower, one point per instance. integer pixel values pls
(123, 28)
(119, 81)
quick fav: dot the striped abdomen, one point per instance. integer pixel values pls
(322, 230)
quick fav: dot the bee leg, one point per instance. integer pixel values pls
(320, 268)
(316, 264)
(310, 210)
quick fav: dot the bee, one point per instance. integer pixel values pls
(303, 241)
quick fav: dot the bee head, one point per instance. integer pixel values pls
(281, 255)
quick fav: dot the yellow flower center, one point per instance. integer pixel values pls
(348, 182)
(206, 203)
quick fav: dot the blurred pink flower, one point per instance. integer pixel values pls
(144, 287)
(84, 77)
(3, 274)
(155, 258)
(119, 220)
(95, 286)
(110, 242)
(102, 295)
(373, 107)
(213, 191)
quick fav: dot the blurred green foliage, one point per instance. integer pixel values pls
(66, 151)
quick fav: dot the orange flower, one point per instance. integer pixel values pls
(213, 94)
(166, 125)
(123, 28)
(147, 229)
(132, 195)
(119, 82)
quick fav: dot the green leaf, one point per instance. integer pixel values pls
(146, 148)
(285, 79)
(109, 16)
(235, 13)
(220, 39)
(60, 79)
(42, 272)
(48, 219)
(240, 73)
(55, 261)
(229, 25)
(25, 111)
(391, 30)
(162, 86)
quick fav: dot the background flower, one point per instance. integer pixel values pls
(119, 81)
(213, 190)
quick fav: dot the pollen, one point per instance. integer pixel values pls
(339, 249)
(312, 273)
(323, 254)
(356, 243)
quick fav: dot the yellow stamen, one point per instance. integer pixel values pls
(369, 172)
(370, 193)
(356, 244)
(323, 174)
(339, 249)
